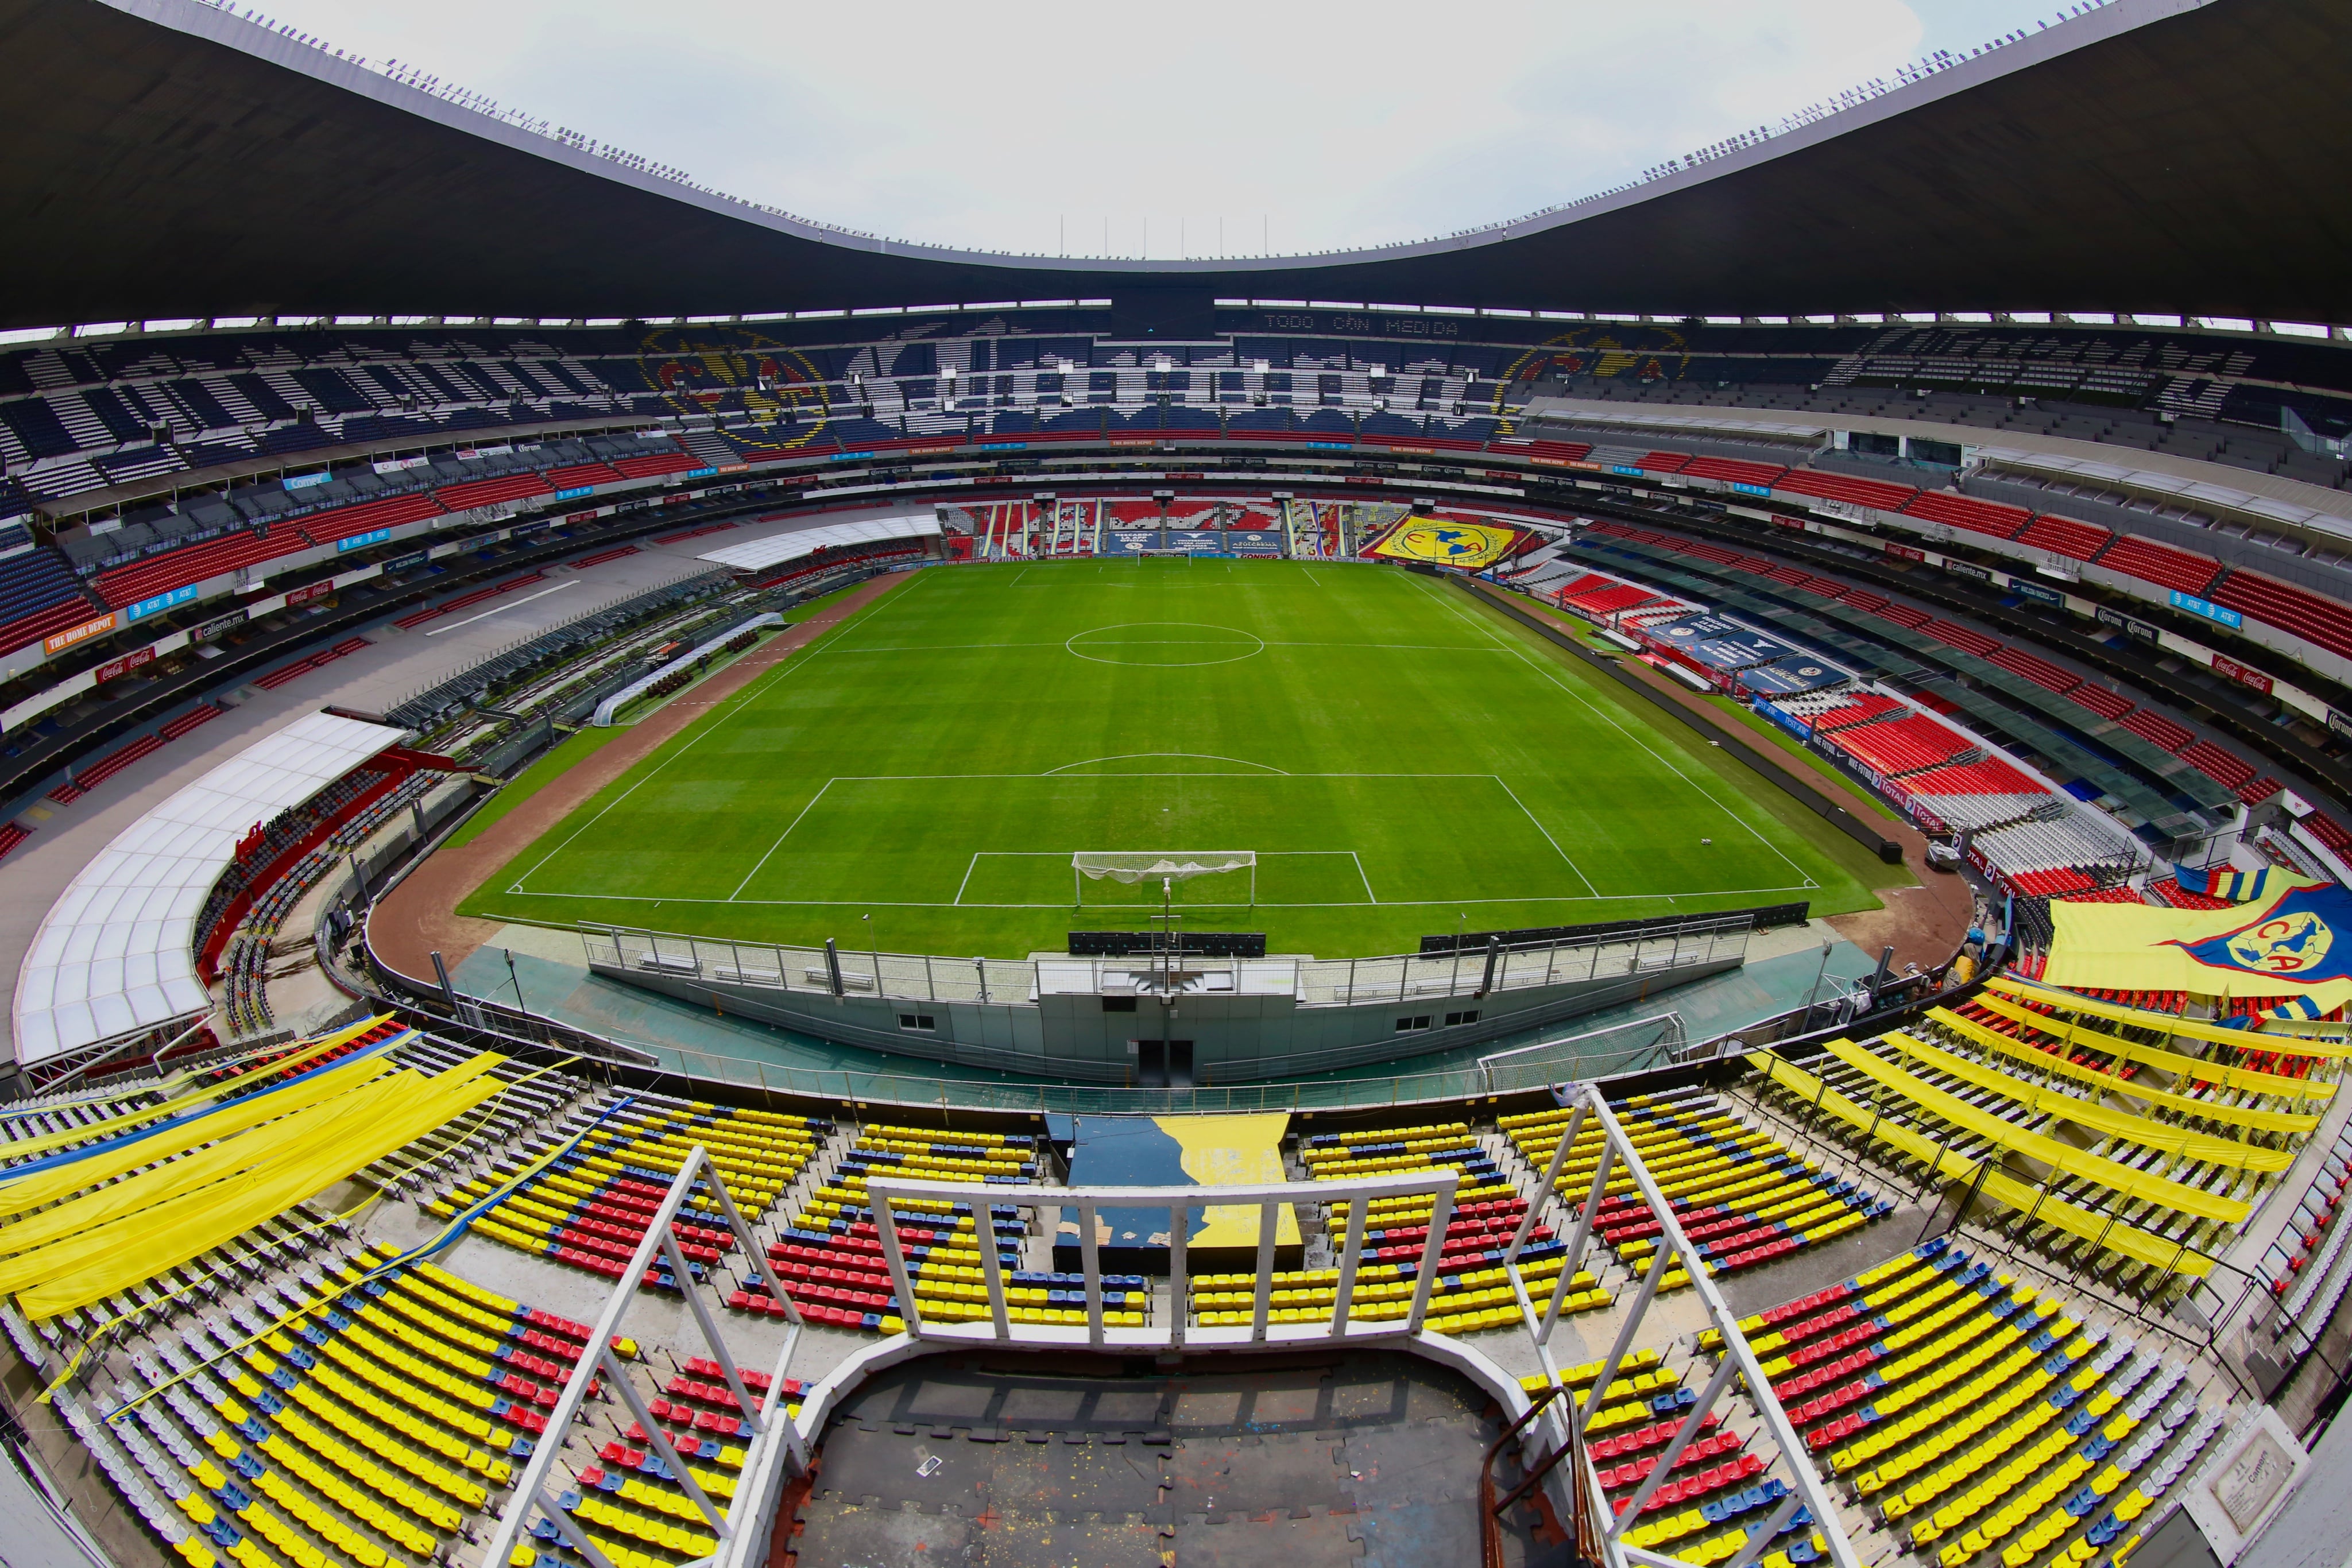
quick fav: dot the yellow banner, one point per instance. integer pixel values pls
(2297, 943)
(1470, 546)
(304, 1154)
(1233, 1151)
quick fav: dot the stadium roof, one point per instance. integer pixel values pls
(117, 951)
(170, 159)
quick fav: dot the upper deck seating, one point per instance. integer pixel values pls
(2159, 563)
(2064, 535)
(1950, 508)
(38, 595)
(2325, 621)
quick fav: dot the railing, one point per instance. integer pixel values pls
(1668, 1041)
(772, 1428)
(1334, 982)
(1271, 1199)
(503, 1025)
(1738, 1358)
(1554, 1420)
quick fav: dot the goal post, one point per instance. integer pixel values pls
(1156, 865)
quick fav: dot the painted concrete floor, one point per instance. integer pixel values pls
(1370, 1460)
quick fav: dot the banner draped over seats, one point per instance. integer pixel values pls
(2293, 1123)
(61, 1181)
(1469, 546)
(2088, 1113)
(2100, 1228)
(89, 1248)
(2133, 1183)
(2241, 886)
(2296, 944)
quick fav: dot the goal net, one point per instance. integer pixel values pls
(1158, 865)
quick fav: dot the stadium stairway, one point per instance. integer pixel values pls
(313, 1395)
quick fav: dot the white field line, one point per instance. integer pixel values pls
(1611, 721)
(1457, 902)
(709, 726)
(1540, 828)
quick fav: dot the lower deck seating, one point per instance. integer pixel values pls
(1741, 1198)
(1859, 707)
(829, 1258)
(1608, 601)
(1968, 1410)
(590, 1207)
(1899, 746)
(1473, 1290)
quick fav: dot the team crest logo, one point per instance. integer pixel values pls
(2294, 942)
(735, 371)
(1466, 545)
(1443, 544)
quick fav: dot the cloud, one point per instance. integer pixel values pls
(1056, 124)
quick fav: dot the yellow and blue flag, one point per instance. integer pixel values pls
(1443, 541)
(2243, 886)
(1198, 1151)
(2296, 944)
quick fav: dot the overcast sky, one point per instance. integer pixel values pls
(1040, 126)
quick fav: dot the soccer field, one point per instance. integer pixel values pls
(1401, 759)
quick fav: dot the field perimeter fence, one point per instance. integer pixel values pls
(1398, 978)
(1629, 1047)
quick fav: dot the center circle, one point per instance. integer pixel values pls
(1164, 644)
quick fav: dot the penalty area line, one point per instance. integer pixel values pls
(1458, 903)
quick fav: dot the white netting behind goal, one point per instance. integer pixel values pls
(1151, 865)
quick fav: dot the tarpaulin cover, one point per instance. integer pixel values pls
(2047, 1208)
(282, 1163)
(2295, 943)
(128, 1154)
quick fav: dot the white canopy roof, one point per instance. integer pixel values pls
(117, 951)
(760, 554)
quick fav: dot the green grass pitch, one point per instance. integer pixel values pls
(1402, 759)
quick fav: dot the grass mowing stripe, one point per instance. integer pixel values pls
(1529, 658)
(985, 732)
(718, 715)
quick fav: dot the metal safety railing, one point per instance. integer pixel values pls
(1270, 1199)
(1550, 1425)
(1566, 1418)
(833, 971)
(776, 1436)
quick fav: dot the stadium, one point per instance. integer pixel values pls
(1651, 884)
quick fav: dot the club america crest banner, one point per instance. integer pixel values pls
(1469, 546)
(2295, 943)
